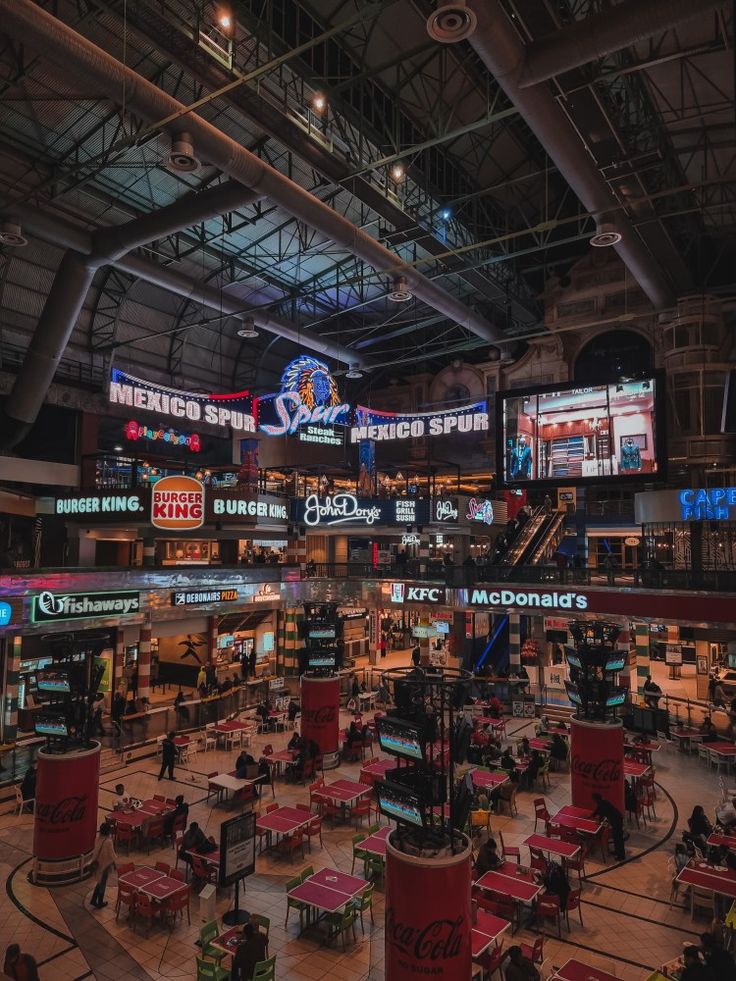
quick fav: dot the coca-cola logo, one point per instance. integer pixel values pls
(438, 940)
(67, 811)
(320, 716)
(598, 771)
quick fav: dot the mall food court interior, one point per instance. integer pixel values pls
(367, 491)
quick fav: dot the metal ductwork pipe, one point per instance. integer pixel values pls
(603, 33)
(498, 45)
(24, 20)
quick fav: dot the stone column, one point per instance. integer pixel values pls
(514, 642)
(144, 660)
(641, 640)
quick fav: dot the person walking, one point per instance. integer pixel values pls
(104, 858)
(604, 809)
(168, 756)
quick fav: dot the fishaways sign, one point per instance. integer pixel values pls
(49, 607)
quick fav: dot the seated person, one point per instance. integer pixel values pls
(181, 808)
(243, 761)
(699, 828)
(523, 749)
(507, 761)
(709, 731)
(558, 748)
(28, 784)
(121, 801)
(536, 762)
(292, 710)
(249, 952)
(296, 742)
(717, 959)
(493, 751)
(694, 969)
(495, 707)
(262, 712)
(557, 883)
(519, 968)
(487, 859)
(506, 790)
(726, 814)
(195, 840)
(481, 800)
(353, 738)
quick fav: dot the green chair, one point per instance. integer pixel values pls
(306, 872)
(207, 934)
(374, 828)
(358, 853)
(374, 868)
(262, 924)
(211, 972)
(265, 970)
(340, 923)
(362, 903)
(292, 903)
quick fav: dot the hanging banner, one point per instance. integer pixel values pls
(234, 409)
(308, 405)
(385, 426)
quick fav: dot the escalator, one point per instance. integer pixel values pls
(537, 539)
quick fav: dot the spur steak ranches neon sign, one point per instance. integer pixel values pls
(308, 396)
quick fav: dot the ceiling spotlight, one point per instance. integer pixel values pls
(400, 292)
(606, 235)
(397, 173)
(225, 21)
(182, 159)
(354, 371)
(248, 330)
(453, 21)
(319, 103)
(446, 214)
(11, 235)
(118, 448)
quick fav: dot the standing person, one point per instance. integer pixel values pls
(416, 656)
(105, 859)
(28, 786)
(134, 682)
(201, 677)
(12, 956)
(547, 504)
(252, 663)
(604, 809)
(168, 756)
(244, 665)
(652, 693)
(98, 706)
(382, 645)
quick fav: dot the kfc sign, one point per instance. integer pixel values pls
(402, 592)
(177, 504)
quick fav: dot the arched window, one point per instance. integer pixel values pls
(612, 354)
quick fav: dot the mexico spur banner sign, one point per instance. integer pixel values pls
(234, 410)
(384, 426)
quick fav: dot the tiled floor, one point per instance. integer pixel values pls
(629, 925)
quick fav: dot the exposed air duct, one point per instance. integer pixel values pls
(601, 34)
(38, 29)
(502, 52)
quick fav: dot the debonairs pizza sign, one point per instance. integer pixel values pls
(50, 607)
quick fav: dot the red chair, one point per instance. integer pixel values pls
(510, 851)
(271, 807)
(573, 903)
(537, 861)
(203, 870)
(548, 908)
(491, 960)
(578, 864)
(290, 844)
(145, 910)
(127, 896)
(535, 953)
(154, 832)
(123, 835)
(180, 823)
(314, 830)
(159, 797)
(540, 812)
(175, 905)
(603, 838)
(267, 750)
(178, 843)
(178, 875)
(161, 867)
(361, 809)
(124, 867)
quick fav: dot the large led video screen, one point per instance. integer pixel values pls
(578, 434)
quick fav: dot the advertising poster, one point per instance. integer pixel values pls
(237, 848)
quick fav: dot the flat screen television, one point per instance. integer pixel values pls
(54, 682)
(51, 725)
(615, 664)
(576, 434)
(322, 633)
(401, 738)
(616, 697)
(321, 660)
(441, 626)
(400, 804)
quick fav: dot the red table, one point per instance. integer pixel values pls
(722, 881)
(723, 749)
(135, 819)
(181, 741)
(141, 877)
(510, 881)
(376, 770)
(211, 858)
(635, 770)
(555, 846)
(577, 818)
(575, 970)
(486, 930)
(343, 791)
(155, 807)
(376, 843)
(283, 820)
(329, 890)
(483, 720)
(555, 728)
(482, 778)
(229, 940)
(541, 745)
(719, 839)
(281, 758)
(162, 888)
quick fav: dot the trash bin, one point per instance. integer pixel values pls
(207, 901)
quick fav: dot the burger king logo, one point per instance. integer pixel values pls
(177, 503)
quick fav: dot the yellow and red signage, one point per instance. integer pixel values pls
(177, 503)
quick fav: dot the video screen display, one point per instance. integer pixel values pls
(51, 725)
(400, 804)
(400, 738)
(576, 434)
(615, 664)
(617, 697)
(322, 633)
(441, 626)
(56, 682)
(322, 661)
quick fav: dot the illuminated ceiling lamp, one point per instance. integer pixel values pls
(11, 235)
(319, 102)
(248, 330)
(354, 371)
(400, 292)
(182, 160)
(453, 21)
(606, 234)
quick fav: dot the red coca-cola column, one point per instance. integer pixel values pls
(65, 815)
(428, 915)
(321, 715)
(597, 762)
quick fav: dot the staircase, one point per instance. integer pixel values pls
(557, 713)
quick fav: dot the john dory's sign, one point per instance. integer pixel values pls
(234, 410)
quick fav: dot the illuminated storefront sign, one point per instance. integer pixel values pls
(107, 504)
(384, 426)
(177, 503)
(219, 505)
(480, 509)
(367, 512)
(308, 404)
(198, 597)
(401, 592)
(136, 430)
(265, 594)
(234, 410)
(5, 614)
(48, 607)
(713, 504)
(547, 600)
(410, 539)
(11, 611)
(444, 509)
(249, 507)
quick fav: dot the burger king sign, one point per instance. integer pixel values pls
(177, 503)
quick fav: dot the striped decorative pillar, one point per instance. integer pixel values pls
(289, 642)
(144, 661)
(423, 552)
(149, 551)
(10, 689)
(514, 642)
(118, 659)
(623, 644)
(641, 640)
(212, 634)
(296, 548)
